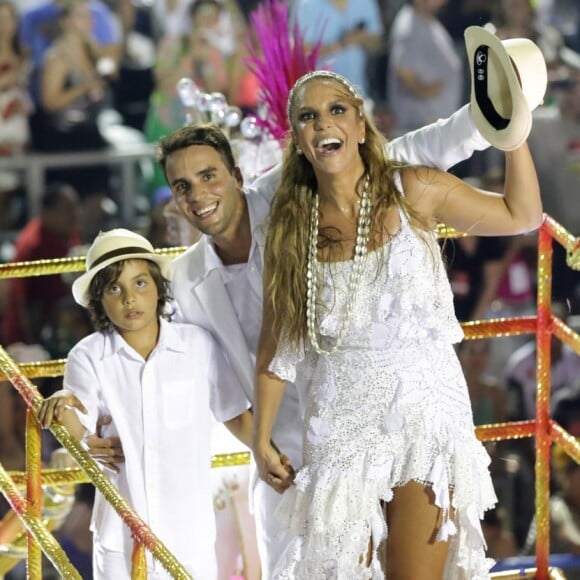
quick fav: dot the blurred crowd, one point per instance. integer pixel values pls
(84, 75)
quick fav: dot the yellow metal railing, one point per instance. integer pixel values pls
(543, 428)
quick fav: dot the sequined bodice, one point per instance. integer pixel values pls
(404, 293)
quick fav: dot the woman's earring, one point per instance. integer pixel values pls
(361, 141)
(298, 150)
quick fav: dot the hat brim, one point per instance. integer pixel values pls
(80, 287)
(518, 123)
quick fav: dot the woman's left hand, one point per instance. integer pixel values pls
(274, 467)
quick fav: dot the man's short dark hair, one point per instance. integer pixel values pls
(206, 134)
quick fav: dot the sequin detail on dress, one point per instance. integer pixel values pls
(390, 406)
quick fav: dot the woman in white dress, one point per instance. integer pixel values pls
(359, 313)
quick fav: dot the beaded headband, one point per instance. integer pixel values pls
(320, 74)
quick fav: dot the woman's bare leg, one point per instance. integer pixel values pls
(413, 520)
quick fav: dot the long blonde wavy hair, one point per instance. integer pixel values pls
(288, 228)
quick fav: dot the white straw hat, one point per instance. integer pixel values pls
(115, 246)
(508, 81)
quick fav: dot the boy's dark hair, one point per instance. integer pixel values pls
(199, 134)
(109, 275)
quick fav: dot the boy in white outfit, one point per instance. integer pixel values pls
(158, 381)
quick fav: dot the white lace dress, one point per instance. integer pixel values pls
(388, 407)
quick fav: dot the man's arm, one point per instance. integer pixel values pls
(241, 427)
(107, 451)
(441, 144)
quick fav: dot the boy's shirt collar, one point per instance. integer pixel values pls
(169, 339)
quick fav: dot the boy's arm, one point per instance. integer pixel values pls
(60, 407)
(441, 144)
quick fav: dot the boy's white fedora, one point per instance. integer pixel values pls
(114, 246)
(508, 81)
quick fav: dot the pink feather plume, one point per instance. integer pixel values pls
(279, 60)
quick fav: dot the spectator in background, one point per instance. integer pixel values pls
(567, 409)
(11, 208)
(157, 232)
(133, 85)
(517, 19)
(499, 538)
(14, 100)
(563, 15)
(72, 98)
(193, 56)
(39, 26)
(515, 292)
(565, 515)
(515, 289)
(422, 90)
(67, 325)
(474, 269)
(565, 504)
(564, 512)
(13, 412)
(555, 144)
(75, 536)
(52, 234)
(457, 15)
(520, 373)
(486, 392)
(348, 31)
(72, 90)
(167, 226)
(170, 18)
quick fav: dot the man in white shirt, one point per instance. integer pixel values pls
(217, 283)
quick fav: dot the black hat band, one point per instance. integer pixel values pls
(480, 77)
(119, 252)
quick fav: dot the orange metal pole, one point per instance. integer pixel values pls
(543, 439)
(33, 493)
(51, 547)
(570, 444)
(558, 232)
(499, 327)
(501, 431)
(138, 562)
(564, 333)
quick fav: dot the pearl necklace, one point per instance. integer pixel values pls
(360, 253)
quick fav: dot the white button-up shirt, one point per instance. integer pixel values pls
(243, 283)
(161, 411)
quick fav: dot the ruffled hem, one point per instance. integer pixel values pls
(334, 514)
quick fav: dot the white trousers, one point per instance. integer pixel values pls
(272, 534)
(111, 565)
